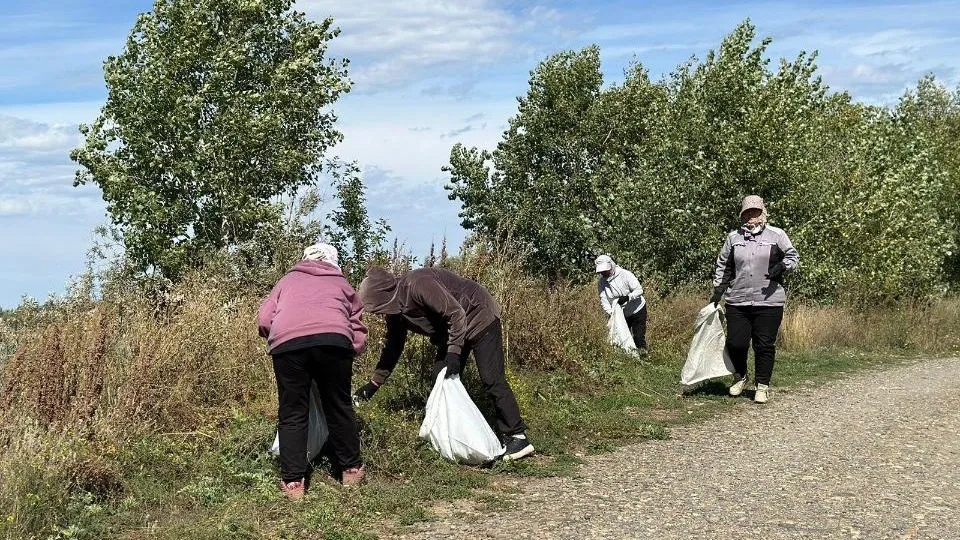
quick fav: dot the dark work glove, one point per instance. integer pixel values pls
(776, 272)
(717, 296)
(453, 364)
(623, 300)
(366, 392)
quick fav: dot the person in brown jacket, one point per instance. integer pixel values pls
(459, 316)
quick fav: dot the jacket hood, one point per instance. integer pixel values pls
(317, 268)
(378, 292)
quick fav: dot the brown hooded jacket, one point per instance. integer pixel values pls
(434, 302)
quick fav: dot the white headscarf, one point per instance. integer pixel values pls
(322, 252)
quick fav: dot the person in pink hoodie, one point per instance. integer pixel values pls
(312, 323)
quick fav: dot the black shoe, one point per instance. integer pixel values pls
(517, 448)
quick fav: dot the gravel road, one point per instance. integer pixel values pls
(876, 455)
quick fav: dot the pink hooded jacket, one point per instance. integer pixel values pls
(312, 298)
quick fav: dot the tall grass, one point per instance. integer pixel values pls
(118, 415)
(918, 328)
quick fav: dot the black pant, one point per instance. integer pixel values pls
(759, 324)
(331, 368)
(638, 327)
(488, 353)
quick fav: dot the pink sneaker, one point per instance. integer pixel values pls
(293, 490)
(353, 476)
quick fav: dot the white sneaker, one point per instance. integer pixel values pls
(761, 396)
(737, 387)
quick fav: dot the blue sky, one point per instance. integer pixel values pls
(428, 73)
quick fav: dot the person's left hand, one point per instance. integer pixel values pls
(366, 392)
(717, 296)
(776, 271)
(623, 300)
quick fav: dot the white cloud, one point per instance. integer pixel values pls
(377, 132)
(11, 207)
(391, 44)
(61, 113)
(865, 74)
(460, 91)
(872, 74)
(876, 67)
(418, 211)
(25, 137)
(630, 31)
(615, 51)
(36, 174)
(897, 45)
(401, 144)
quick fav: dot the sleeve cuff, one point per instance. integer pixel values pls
(380, 376)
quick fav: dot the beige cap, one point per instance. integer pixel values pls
(750, 202)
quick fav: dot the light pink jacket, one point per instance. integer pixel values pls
(312, 298)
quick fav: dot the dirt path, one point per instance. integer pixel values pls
(873, 456)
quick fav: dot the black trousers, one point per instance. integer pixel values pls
(488, 353)
(332, 368)
(760, 325)
(638, 327)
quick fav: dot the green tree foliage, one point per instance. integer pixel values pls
(544, 167)
(933, 113)
(358, 240)
(215, 108)
(653, 172)
(275, 245)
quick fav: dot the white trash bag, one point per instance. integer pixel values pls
(317, 431)
(619, 331)
(708, 357)
(455, 427)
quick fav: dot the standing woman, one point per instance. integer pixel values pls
(311, 321)
(749, 277)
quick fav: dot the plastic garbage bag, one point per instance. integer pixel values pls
(707, 357)
(454, 426)
(317, 431)
(619, 331)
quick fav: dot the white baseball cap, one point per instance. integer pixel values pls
(604, 263)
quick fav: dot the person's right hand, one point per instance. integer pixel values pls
(366, 392)
(453, 365)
